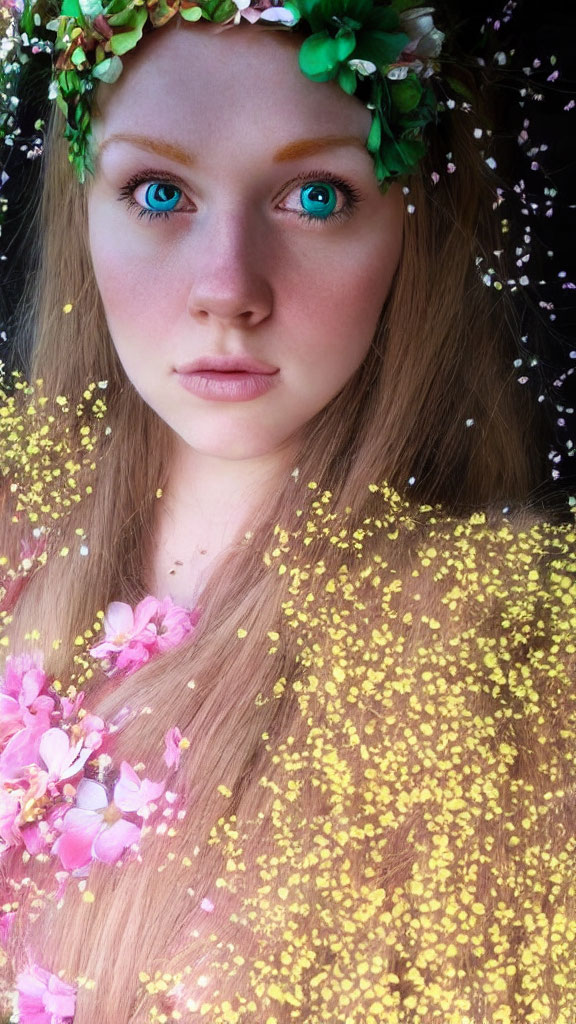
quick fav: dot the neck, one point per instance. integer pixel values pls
(208, 504)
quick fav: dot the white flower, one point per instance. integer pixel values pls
(363, 67)
(425, 39)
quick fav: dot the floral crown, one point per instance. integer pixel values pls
(384, 52)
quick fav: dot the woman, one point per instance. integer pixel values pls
(329, 776)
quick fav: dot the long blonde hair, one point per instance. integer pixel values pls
(442, 356)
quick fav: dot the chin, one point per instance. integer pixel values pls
(234, 447)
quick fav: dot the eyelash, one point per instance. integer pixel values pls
(351, 195)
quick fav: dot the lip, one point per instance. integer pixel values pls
(227, 378)
(227, 364)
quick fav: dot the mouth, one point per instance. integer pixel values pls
(227, 365)
(227, 378)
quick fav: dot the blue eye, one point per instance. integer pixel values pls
(318, 199)
(162, 197)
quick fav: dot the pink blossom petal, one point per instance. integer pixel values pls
(91, 796)
(110, 843)
(172, 743)
(144, 612)
(131, 793)
(34, 839)
(71, 707)
(23, 673)
(74, 846)
(22, 750)
(9, 812)
(33, 682)
(11, 720)
(133, 657)
(43, 998)
(92, 729)
(119, 619)
(62, 760)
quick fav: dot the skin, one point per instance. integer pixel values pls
(235, 269)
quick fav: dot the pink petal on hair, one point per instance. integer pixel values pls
(172, 743)
(110, 843)
(74, 846)
(119, 619)
(62, 760)
(91, 796)
(43, 998)
(11, 720)
(131, 793)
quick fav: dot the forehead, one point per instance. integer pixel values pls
(236, 87)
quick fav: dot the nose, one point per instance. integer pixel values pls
(230, 272)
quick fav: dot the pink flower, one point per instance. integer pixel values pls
(173, 624)
(93, 830)
(62, 759)
(23, 749)
(25, 710)
(133, 794)
(24, 679)
(21, 696)
(11, 717)
(89, 730)
(128, 635)
(133, 636)
(9, 813)
(173, 749)
(43, 998)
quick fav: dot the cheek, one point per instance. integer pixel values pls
(137, 299)
(341, 301)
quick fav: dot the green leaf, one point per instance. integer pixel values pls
(321, 56)
(108, 70)
(27, 19)
(347, 79)
(382, 48)
(406, 94)
(71, 9)
(317, 57)
(122, 42)
(78, 57)
(345, 43)
(218, 10)
(191, 13)
(375, 135)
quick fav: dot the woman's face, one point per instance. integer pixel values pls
(241, 246)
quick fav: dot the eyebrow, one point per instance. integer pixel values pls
(308, 147)
(161, 147)
(293, 150)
